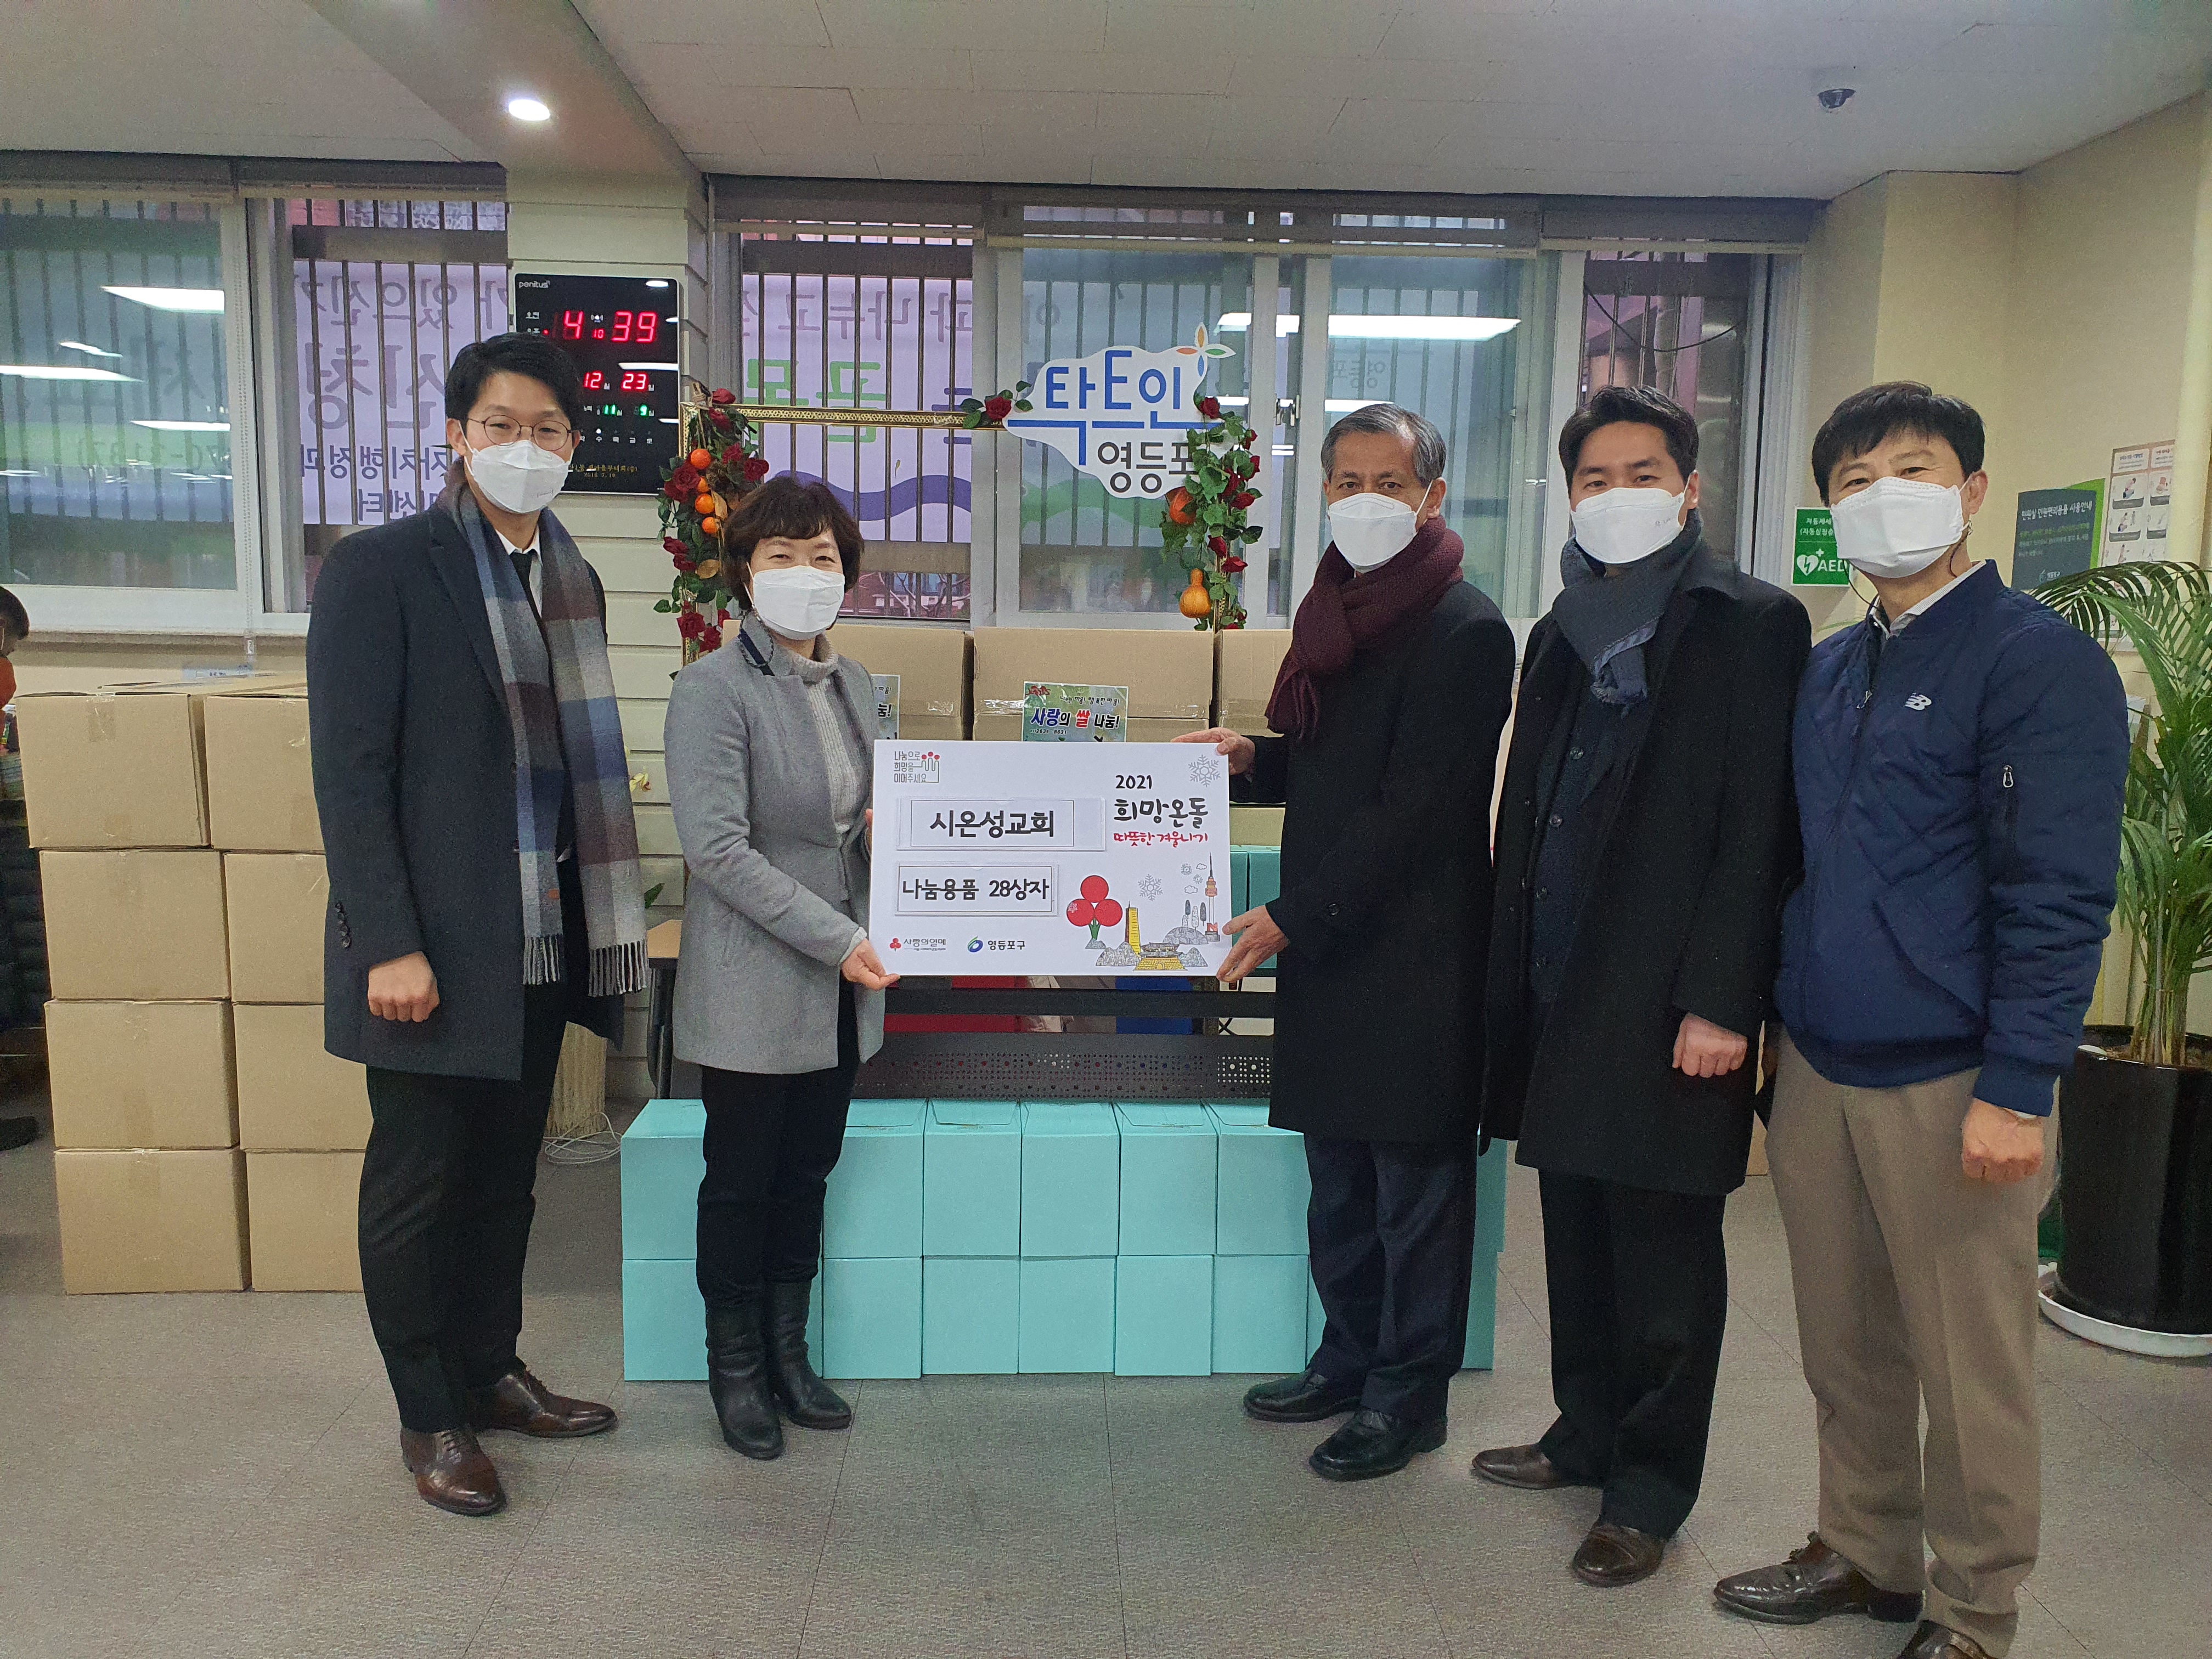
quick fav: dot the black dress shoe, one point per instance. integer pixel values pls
(806, 1400)
(1935, 1641)
(452, 1472)
(1306, 1398)
(520, 1402)
(737, 1379)
(1374, 1442)
(1615, 1555)
(1525, 1467)
(1814, 1582)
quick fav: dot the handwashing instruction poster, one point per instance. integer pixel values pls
(1071, 858)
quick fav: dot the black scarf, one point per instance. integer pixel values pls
(1610, 618)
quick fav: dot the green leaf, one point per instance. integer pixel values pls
(1253, 532)
(665, 606)
(1024, 406)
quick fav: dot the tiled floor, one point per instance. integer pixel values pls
(218, 1475)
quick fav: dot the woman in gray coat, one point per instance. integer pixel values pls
(779, 995)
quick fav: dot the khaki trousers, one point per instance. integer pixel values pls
(1915, 1285)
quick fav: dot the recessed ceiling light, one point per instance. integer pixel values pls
(172, 299)
(89, 351)
(1419, 328)
(656, 282)
(528, 109)
(185, 426)
(59, 372)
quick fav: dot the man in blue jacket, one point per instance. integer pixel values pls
(1960, 756)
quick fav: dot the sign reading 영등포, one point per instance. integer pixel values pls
(1816, 563)
(1122, 415)
(2054, 535)
(1063, 860)
(1074, 714)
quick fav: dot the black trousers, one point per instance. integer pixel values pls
(772, 1141)
(1638, 1283)
(1391, 1230)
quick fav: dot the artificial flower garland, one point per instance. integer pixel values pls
(718, 467)
(1203, 524)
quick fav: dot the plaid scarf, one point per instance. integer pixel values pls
(561, 703)
(1609, 618)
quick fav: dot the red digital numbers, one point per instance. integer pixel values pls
(648, 327)
(621, 335)
(595, 381)
(572, 325)
(634, 380)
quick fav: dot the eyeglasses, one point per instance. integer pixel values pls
(552, 435)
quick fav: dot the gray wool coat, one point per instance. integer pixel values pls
(774, 894)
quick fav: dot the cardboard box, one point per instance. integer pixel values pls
(137, 926)
(294, 1095)
(125, 1075)
(151, 1221)
(930, 664)
(971, 1179)
(1169, 674)
(1260, 1313)
(278, 904)
(260, 783)
(970, 1315)
(1244, 676)
(304, 1220)
(1067, 1314)
(1163, 1316)
(874, 1207)
(870, 1317)
(1167, 1179)
(1071, 1180)
(1256, 826)
(662, 1162)
(1263, 1187)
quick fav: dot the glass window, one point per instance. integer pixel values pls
(1675, 322)
(1083, 549)
(115, 450)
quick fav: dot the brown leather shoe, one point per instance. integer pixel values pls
(452, 1472)
(1613, 1556)
(520, 1402)
(1814, 1582)
(1935, 1641)
(1525, 1467)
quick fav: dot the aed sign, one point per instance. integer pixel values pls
(1122, 415)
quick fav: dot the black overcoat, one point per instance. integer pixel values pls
(1683, 904)
(413, 764)
(1386, 881)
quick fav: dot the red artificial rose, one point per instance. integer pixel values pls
(673, 490)
(722, 422)
(1220, 545)
(686, 478)
(1251, 438)
(672, 546)
(721, 617)
(997, 409)
(1231, 565)
(685, 563)
(757, 469)
(1241, 499)
(711, 640)
(1210, 407)
(722, 394)
(690, 624)
(733, 455)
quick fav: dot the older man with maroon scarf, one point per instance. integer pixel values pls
(1391, 698)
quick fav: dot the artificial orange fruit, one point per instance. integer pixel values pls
(1196, 601)
(701, 460)
(713, 527)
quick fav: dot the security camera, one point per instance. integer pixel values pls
(1833, 97)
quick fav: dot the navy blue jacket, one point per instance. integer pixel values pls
(1961, 816)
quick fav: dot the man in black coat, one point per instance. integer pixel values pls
(1645, 838)
(415, 765)
(1392, 694)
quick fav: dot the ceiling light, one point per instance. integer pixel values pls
(1287, 449)
(89, 351)
(1234, 403)
(59, 372)
(656, 282)
(670, 368)
(528, 109)
(1238, 322)
(1346, 405)
(1419, 328)
(185, 426)
(172, 299)
(17, 472)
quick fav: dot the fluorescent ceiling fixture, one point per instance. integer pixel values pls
(1234, 403)
(1419, 328)
(656, 282)
(189, 425)
(1287, 449)
(59, 372)
(172, 299)
(670, 368)
(1346, 405)
(19, 474)
(1239, 322)
(89, 351)
(528, 109)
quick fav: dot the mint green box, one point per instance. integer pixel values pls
(665, 1322)
(1071, 1179)
(873, 1207)
(1260, 1313)
(970, 1315)
(1168, 1174)
(870, 1317)
(1163, 1316)
(1067, 1314)
(1481, 1351)
(1316, 1316)
(662, 1164)
(971, 1179)
(1263, 1187)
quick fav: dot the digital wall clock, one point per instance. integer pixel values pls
(623, 333)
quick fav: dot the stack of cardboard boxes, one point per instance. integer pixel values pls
(185, 891)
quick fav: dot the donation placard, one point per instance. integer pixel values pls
(1073, 858)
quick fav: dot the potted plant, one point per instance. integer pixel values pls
(2136, 1114)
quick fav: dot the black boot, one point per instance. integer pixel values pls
(805, 1398)
(736, 1377)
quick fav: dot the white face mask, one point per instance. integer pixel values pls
(1370, 529)
(1620, 526)
(799, 604)
(1899, 526)
(518, 477)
